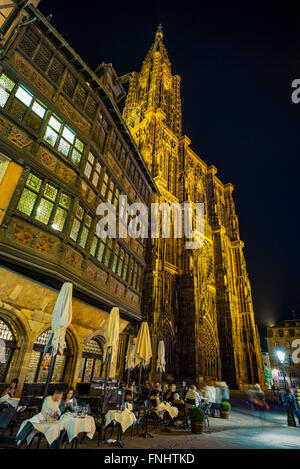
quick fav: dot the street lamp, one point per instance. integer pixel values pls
(281, 356)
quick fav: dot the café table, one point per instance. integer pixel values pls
(162, 408)
(50, 428)
(123, 419)
(74, 424)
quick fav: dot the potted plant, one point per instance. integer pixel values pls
(225, 409)
(197, 418)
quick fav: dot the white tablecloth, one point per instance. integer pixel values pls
(125, 418)
(162, 408)
(50, 428)
(75, 425)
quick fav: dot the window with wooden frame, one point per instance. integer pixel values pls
(81, 227)
(64, 140)
(92, 170)
(6, 88)
(44, 202)
(27, 109)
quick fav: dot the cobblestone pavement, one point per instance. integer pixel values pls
(241, 430)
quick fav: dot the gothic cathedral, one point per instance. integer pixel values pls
(198, 301)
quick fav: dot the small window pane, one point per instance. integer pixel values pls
(84, 237)
(55, 123)
(59, 219)
(91, 158)
(27, 201)
(95, 179)
(75, 229)
(44, 211)
(6, 82)
(79, 145)
(68, 134)
(100, 252)
(50, 192)
(4, 95)
(94, 246)
(65, 201)
(51, 136)
(88, 170)
(38, 109)
(24, 96)
(64, 147)
(76, 157)
(34, 182)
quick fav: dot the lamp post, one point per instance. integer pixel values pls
(290, 418)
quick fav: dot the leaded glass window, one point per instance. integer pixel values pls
(101, 246)
(8, 335)
(64, 139)
(92, 170)
(47, 203)
(81, 227)
(38, 368)
(116, 257)
(104, 185)
(25, 107)
(6, 87)
(91, 362)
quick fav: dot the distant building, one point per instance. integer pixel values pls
(281, 336)
(267, 369)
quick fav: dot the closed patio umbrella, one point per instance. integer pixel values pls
(129, 362)
(61, 319)
(161, 360)
(143, 349)
(112, 329)
(143, 354)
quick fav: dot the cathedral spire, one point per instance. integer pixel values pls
(159, 33)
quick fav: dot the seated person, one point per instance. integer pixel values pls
(14, 387)
(5, 397)
(50, 407)
(193, 395)
(69, 402)
(169, 395)
(129, 392)
(155, 399)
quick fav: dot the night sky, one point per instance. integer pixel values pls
(236, 62)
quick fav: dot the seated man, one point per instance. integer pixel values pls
(51, 410)
(193, 395)
(50, 407)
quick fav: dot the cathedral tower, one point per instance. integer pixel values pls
(197, 301)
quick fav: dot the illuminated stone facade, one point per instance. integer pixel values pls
(199, 302)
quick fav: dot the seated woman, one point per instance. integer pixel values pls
(14, 387)
(69, 402)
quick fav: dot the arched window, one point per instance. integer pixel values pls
(38, 367)
(92, 360)
(9, 337)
